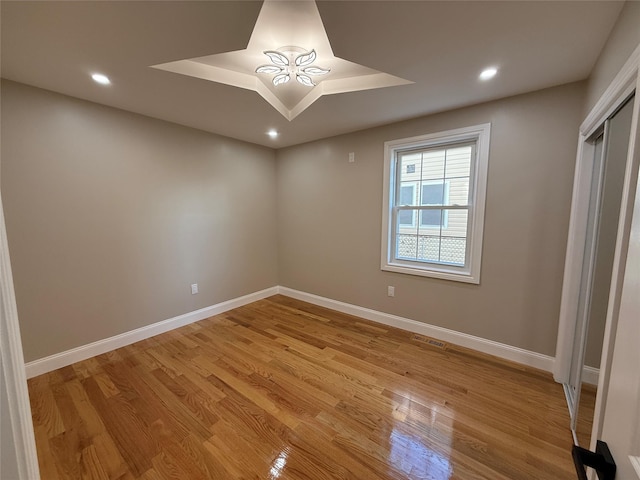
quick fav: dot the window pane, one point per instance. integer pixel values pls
(458, 191)
(406, 246)
(454, 237)
(405, 217)
(458, 162)
(433, 164)
(406, 234)
(409, 167)
(456, 223)
(453, 250)
(429, 248)
(450, 168)
(407, 197)
(446, 250)
(431, 218)
(433, 194)
(407, 194)
(446, 242)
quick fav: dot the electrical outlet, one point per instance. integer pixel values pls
(194, 288)
(391, 291)
(352, 157)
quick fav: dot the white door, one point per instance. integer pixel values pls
(610, 147)
(621, 427)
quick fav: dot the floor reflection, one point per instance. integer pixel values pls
(410, 454)
(413, 453)
(278, 465)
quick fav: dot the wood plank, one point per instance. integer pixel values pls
(92, 468)
(124, 425)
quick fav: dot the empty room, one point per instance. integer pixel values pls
(306, 240)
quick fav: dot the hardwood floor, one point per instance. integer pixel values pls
(282, 389)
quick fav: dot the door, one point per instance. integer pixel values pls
(573, 386)
(621, 424)
(610, 146)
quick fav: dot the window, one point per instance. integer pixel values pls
(434, 194)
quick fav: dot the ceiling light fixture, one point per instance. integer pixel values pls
(290, 62)
(488, 73)
(286, 23)
(101, 79)
(272, 133)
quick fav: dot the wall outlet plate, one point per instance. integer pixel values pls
(194, 288)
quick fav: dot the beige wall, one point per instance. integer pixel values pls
(624, 39)
(111, 216)
(329, 221)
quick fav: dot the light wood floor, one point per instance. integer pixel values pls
(281, 389)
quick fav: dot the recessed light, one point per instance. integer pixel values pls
(488, 73)
(101, 79)
(272, 133)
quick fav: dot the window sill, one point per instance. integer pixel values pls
(432, 272)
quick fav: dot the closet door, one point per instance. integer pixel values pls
(573, 387)
(611, 145)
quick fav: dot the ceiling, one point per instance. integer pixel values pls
(440, 46)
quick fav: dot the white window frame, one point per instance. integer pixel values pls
(470, 272)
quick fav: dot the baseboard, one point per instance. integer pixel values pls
(507, 352)
(515, 354)
(59, 360)
(590, 375)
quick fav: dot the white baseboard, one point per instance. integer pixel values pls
(590, 375)
(515, 354)
(62, 359)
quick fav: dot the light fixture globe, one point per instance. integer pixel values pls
(290, 62)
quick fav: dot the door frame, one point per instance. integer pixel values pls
(12, 364)
(626, 81)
